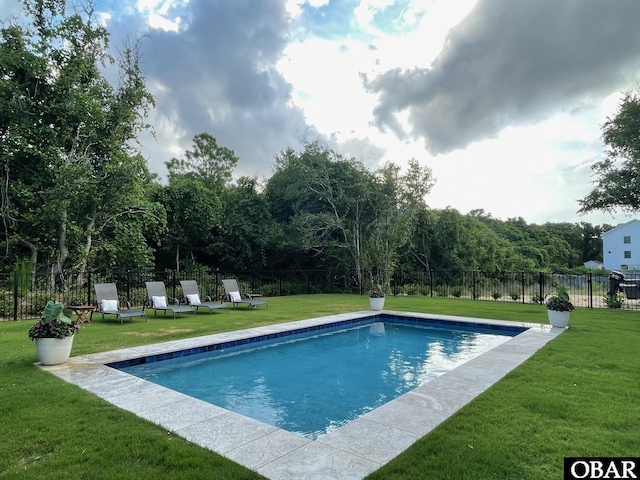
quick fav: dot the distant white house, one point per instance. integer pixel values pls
(594, 264)
(621, 247)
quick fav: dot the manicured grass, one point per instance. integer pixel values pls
(578, 396)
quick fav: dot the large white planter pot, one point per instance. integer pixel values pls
(54, 351)
(558, 319)
(376, 303)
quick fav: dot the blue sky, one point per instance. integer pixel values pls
(503, 100)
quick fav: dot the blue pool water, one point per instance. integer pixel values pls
(314, 383)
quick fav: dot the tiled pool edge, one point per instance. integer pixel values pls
(350, 452)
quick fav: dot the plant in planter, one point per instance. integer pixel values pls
(559, 307)
(376, 292)
(53, 334)
(376, 298)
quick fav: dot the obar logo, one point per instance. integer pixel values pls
(601, 468)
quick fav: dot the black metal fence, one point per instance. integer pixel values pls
(25, 295)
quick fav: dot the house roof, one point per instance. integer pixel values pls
(594, 261)
(620, 226)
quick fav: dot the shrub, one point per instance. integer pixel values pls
(614, 301)
(536, 298)
(515, 296)
(457, 292)
(442, 291)
(496, 295)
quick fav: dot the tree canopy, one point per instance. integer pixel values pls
(617, 184)
(68, 163)
(76, 195)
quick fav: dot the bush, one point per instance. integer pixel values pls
(457, 292)
(442, 291)
(496, 295)
(614, 301)
(515, 296)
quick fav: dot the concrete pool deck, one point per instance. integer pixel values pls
(348, 453)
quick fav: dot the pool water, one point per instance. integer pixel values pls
(316, 384)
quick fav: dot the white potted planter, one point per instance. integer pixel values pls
(376, 303)
(558, 319)
(53, 335)
(559, 308)
(376, 298)
(54, 351)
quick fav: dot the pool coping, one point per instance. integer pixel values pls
(348, 453)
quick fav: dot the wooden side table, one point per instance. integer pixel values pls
(83, 312)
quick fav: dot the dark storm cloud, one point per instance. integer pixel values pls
(513, 63)
(218, 75)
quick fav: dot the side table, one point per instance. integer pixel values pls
(83, 312)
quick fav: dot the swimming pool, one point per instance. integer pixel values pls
(314, 382)
(349, 452)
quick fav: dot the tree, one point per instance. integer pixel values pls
(248, 236)
(324, 202)
(209, 162)
(67, 135)
(618, 174)
(192, 214)
(399, 199)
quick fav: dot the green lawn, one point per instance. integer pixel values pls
(578, 396)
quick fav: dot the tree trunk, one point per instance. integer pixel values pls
(34, 256)
(63, 251)
(82, 268)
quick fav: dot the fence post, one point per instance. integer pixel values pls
(590, 288)
(541, 286)
(15, 296)
(522, 283)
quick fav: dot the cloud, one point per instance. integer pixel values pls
(216, 73)
(511, 63)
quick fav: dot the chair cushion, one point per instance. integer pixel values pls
(194, 299)
(235, 296)
(109, 305)
(159, 302)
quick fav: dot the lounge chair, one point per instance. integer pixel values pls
(192, 297)
(235, 297)
(109, 303)
(158, 300)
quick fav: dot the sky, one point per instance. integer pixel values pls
(502, 100)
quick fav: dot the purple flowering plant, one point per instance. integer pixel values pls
(54, 323)
(376, 292)
(560, 301)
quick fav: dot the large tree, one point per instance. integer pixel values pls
(617, 184)
(399, 201)
(325, 203)
(68, 162)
